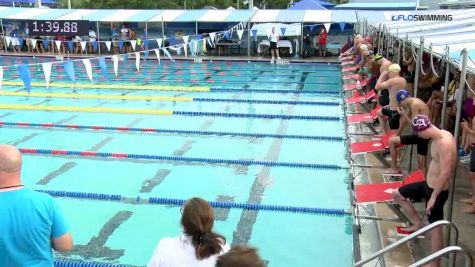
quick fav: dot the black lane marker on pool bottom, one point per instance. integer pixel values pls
(64, 168)
(149, 185)
(68, 119)
(5, 114)
(24, 139)
(222, 214)
(95, 248)
(248, 218)
(101, 143)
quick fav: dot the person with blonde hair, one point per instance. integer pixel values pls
(198, 246)
(393, 82)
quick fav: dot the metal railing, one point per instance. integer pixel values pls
(442, 252)
(407, 239)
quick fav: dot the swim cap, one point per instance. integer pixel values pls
(420, 123)
(394, 68)
(401, 95)
(378, 57)
(364, 47)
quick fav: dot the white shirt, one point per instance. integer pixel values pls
(92, 35)
(273, 37)
(179, 252)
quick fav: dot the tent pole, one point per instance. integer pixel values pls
(249, 38)
(418, 66)
(398, 48)
(446, 89)
(163, 30)
(450, 200)
(301, 41)
(379, 38)
(387, 39)
(146, 30)
(4, 35)
(98, 38)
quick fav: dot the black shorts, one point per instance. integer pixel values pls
(420, 190)
(273, 45)
(472, 160)
(384, 98)
(393, 117)
(422, 144)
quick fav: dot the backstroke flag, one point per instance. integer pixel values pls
(69, 70)
(87, 65)
(47, 71)
(25, 76)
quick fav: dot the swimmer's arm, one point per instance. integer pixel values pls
(380, 85)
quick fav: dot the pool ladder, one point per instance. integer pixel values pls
(434, 256)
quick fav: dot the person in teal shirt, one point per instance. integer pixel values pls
(31, 223)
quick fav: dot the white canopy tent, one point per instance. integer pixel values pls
(264, 29)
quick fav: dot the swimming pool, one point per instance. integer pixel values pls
(238, 134)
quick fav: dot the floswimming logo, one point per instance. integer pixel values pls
(420, 17)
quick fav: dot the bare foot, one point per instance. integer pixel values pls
(392, 171)
(412, 228)
(467, 200)
(470, 210)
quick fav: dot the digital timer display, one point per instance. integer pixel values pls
(58, 27)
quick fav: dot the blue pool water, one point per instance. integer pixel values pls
(126, 232)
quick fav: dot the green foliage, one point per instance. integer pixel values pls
(180, 4)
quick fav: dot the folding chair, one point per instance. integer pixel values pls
(382, 193)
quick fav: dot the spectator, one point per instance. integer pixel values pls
(240, 256)
(124, 37)
(274, 39)
(322, 40)
(198, 246)
(31, 222)
(26, 35)
(92, 40)
(15, 41)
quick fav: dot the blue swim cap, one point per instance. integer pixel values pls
(401, 95)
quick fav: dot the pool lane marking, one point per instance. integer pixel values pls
(86, 109)
(169, 98)
(209, 161)
(202, 131)
(169, 112)
(97, 96)
(115, 86)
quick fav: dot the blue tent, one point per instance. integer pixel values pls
(308, 5)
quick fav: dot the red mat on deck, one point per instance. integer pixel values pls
(361, 99)
(365, 117)
(371, 193)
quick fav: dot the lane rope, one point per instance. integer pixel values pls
(214, 204)
(168, 98)
(181, 159)
(114, 86)
(167, 112)
(172, 131)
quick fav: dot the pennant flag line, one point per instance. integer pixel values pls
(87, 65)
(47, 71)
(115, 61)
(25, 76)
(69, 70)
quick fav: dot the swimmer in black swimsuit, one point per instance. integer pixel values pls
(435, 188)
